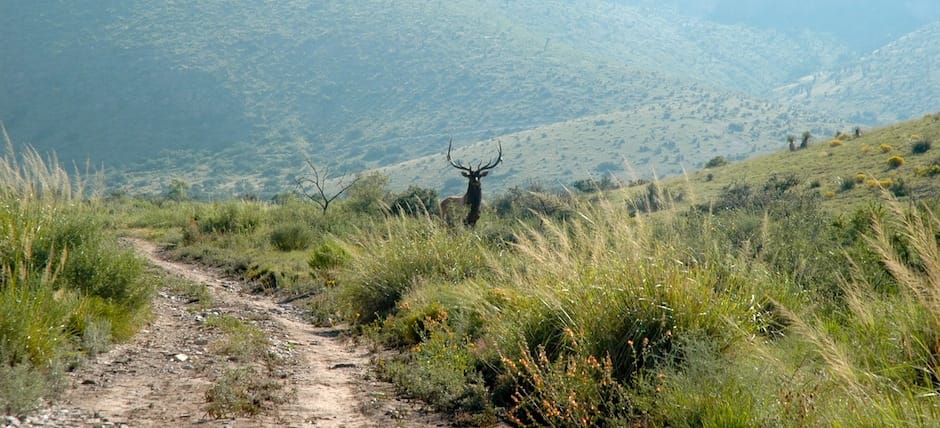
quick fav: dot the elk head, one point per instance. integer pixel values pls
(474, 195)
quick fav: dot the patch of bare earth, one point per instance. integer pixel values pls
(161, 377)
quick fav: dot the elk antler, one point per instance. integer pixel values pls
(457, 165)
(491, 164)
(480, 167)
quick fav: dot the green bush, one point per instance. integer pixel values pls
(532, 202)
(291, 237)
(328, 255)
(440, 370)
(416, 201)
(67, 285)
(413, 250)
(715, 162)
(591, 185)
(921, 146)
(230, 217)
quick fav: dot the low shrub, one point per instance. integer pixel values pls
(415, 201)
(327, 256)
(291, 237)
(243, 392)
(895, 161)
(921, 146)
(228, 217)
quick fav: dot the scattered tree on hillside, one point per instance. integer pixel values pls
(804, 141)
(315, 186)
(716, 162)
(178, 190)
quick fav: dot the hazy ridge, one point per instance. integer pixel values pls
(230, 97)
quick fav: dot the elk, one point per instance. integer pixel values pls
(474, 195)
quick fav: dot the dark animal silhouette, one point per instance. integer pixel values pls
(474, 195)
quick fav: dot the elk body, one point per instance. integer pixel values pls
(474, 196)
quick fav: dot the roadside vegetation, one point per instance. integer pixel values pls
(67, 287)
(718, 299)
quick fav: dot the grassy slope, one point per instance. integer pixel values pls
(677, 134)
(831, 166)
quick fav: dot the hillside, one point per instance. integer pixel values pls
(893, 83)
(231, 97)
(655, 140)
(675, 43)
(848, 175)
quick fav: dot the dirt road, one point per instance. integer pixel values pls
(161, 377)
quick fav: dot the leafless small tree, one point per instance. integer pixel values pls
(315, 186)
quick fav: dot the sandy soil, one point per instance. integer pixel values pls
(161, 377)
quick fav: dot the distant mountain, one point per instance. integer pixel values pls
(677, 43)
(896, 82)
(231, 96)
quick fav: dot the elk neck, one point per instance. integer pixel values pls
(474, 195)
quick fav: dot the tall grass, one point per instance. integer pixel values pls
(612, 296)
(757, 310)
(66, 287)
(602, 292)
(724, 318)
(882, 355)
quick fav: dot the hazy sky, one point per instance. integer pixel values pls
(861, 24)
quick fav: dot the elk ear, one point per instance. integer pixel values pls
(484, 174)
(465, 174)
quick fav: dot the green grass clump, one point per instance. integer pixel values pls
(67, 287)
(407, 253)
(240, 340)
(231, 216)
(243, 392)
